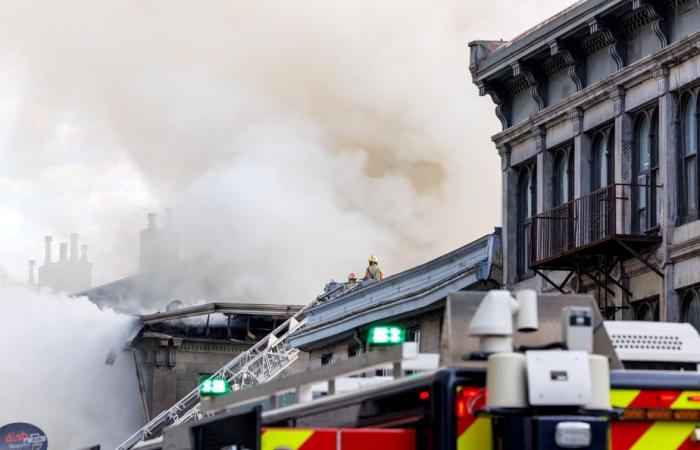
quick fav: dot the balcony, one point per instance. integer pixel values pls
(600, 228)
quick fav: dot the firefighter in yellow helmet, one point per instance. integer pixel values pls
(373, 271)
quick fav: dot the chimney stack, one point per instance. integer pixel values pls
(32, 280)
(47, 250)
(151, 221)
(74, 247)
(83, 253)
(63, 252)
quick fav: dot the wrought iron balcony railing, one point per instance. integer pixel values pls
(613, 213)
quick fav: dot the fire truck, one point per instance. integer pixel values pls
(514, 373)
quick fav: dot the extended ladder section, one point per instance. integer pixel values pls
(267, 359)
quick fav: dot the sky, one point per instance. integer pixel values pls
(292, 138)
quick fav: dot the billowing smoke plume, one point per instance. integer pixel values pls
(53, 372)
(293, 138)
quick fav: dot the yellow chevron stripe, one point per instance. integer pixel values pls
(682, 401)
(477, 436)
(621, 398)
(290, 439)
(664, 436)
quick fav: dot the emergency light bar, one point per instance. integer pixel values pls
(209, 386)
(386, 335)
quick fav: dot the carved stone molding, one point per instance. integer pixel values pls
(576, 118)
(565, 57)
(602, 36)
(500, 98)
(539, 134)
(527, 78)
(645, 12)
(617, 95)
(661, 76)
(504, 153)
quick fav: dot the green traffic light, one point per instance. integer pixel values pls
(386, 335)
(209, 386)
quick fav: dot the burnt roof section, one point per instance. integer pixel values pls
(252, 309)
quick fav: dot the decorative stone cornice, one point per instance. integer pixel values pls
(539, 134)
(504, 153)
(528, 78)
(631, 75)
(661, 76)
(569, 58)
(576, 118)
(500, 98)
(602, 36)
(617, 95)
(648, 11)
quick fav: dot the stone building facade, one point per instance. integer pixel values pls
(599, 154)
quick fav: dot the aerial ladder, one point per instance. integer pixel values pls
(267, 359)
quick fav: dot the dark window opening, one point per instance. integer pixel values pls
(354, 350)
(563, 176)
(326, 359)
(688, 139)
(646, 170)
(690, 308)
(526, 208)
(647, 310)
(602, 158)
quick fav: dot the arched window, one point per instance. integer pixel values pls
(690, 305)
(602, 158)
(563, 176)
(689, 161)
(527, 201)
(646, 169)
(647, 310)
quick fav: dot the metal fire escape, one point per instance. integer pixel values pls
(267, 359)
(592, 235)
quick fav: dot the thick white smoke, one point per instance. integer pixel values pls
(53, 372)
(293, 138)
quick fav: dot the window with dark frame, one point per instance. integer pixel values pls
(647, 309)
(563, 175)
(602, 158)
(688, 139)
(690, 307)
(326, 359)
(526, 208)
(645, 160)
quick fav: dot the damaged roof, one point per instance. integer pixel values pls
(253, 309)
(412, 290)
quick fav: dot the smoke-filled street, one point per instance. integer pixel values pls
(288, 216)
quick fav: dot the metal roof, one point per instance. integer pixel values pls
(409, 291)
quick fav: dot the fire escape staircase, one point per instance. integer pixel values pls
(590, 236)
(263, 362)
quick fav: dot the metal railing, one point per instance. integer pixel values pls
(580, 222)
